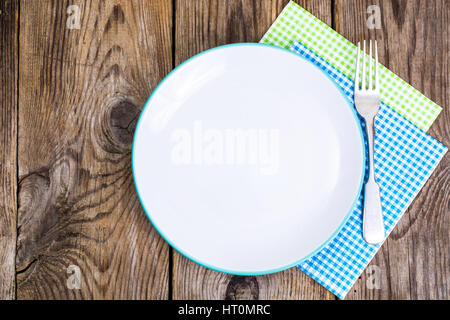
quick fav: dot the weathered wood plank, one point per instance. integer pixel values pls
(414, 43)
(8, 142)
(201, 25)
(429, 215)
(81, 91)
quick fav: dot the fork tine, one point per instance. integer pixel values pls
(377, 80)
(364, 66)
(370, 66)
(357, 67)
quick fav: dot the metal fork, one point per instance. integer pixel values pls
(367, 101)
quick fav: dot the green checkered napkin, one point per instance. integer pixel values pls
(296, 24)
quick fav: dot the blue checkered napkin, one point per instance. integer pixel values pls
(405, 157)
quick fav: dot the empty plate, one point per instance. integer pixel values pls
(248, 159)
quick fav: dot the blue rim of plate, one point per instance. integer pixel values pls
(241, 273)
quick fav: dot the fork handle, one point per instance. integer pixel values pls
(373, 224)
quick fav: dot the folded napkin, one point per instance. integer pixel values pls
(405, 157)
(296, 24)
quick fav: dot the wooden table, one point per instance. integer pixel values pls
(69, 102)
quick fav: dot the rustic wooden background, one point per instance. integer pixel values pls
(69, 101)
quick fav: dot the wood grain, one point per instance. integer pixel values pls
(201, 25)
(80, 94)
(8, 142)
(414, 43)
(69, 102)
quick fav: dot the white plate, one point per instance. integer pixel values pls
(247, 159)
